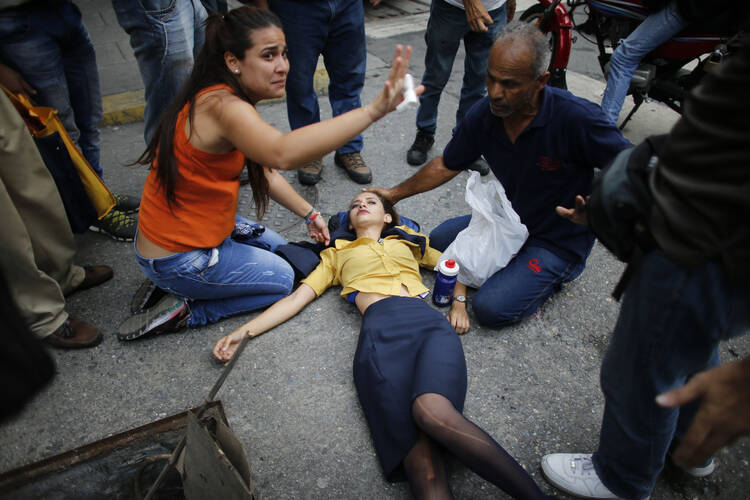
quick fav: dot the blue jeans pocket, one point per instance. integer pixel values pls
(197, 264)
(158, 10)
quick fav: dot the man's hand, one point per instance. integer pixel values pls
(14, 82)
(723, 414)
(432, 175)
(577, 214)
(477, 16)
(510, 9)
(386, 193)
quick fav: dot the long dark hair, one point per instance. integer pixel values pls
(228, 33)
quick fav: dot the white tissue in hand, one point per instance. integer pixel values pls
(410, 97)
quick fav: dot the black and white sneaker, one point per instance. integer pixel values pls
(147, 295)
(168, 315)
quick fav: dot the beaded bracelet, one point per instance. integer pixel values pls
(311, 218)
(308, 214)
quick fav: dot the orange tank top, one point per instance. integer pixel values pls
(206, 192)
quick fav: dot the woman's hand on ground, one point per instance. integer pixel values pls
(458, 317)
(226, 346)
(391, 95)
(318, 230)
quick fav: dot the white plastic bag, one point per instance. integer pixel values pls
(494, 235)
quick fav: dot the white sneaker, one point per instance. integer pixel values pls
(574, 474)
(702, 471)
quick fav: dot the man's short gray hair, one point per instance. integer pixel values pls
(534, 39)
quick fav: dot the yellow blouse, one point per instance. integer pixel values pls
(353, 264)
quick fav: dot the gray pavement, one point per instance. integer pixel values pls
(290, 399)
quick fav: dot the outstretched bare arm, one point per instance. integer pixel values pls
(281, 311)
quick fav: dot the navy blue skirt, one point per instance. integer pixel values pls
(405, 349)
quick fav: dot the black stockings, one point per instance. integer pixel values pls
(437, 418)
(426, 471)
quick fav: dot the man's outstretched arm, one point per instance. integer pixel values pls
(432, 175)
(723, 414)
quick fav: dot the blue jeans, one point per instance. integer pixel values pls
(446, 28)
(517, 290)
(50, 47)
(232, 278)
(656, 29)
(336, 29)
(669, 328)
(166, 36)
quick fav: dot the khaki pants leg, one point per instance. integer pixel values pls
(37, 243)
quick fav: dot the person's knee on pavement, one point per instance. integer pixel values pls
(489, 311)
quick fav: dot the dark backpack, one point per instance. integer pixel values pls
(620, 205)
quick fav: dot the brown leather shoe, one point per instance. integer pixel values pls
(310, 173)
(95, 275)
(355, 167)
(74, 334)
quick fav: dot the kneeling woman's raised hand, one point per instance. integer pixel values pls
(391, 95)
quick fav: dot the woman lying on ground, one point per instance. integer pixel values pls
(409, 368)
(206, 136)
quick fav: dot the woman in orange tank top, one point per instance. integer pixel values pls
(206, 136)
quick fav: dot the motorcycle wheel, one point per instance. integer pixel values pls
(533, 15)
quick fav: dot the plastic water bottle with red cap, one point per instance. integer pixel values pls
(445, 281)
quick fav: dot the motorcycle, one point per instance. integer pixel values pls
(666, 74)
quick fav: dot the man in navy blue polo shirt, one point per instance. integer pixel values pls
(543, 144)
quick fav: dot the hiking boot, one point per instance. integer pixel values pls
(127, 204)
(574, 473)
(146, 296)
(355, 167)
(117, 225)
(417, 153)
(95, 275)
(74, 334)
(480, 166)
(168, 315)
(310, 173)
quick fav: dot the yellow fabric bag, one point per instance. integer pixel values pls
(43, 122)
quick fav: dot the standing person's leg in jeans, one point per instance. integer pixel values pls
(306, 30)
(166, 36)
(656, 29)
(50, 47)
(669, 328)
(477, 47)
(445, 28)
(344, 55)
(516, 291)
(229, 279)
